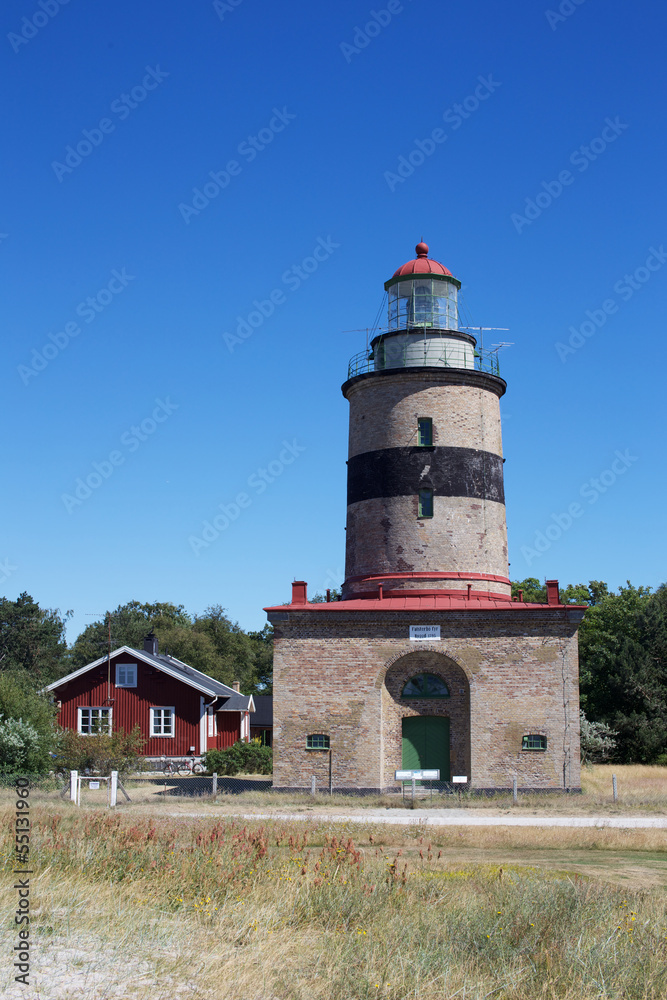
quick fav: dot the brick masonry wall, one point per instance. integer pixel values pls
(384, 534)
(384, 412)
(340, 673)
(465, 535)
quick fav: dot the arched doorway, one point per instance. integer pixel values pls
(426, 715)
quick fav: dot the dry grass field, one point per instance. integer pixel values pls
(141, 903)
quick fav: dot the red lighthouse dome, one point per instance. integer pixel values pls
(422, 264)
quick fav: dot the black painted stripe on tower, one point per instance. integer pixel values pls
(449, 472)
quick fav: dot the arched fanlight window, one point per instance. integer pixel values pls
(425, 686)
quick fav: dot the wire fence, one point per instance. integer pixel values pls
(214, 786)
(198, 785)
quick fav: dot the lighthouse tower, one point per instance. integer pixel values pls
(427, 661)
(425, 505)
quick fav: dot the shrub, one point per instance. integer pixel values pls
(250, 758)
(103, 752)
(23, 750)
(598, 740)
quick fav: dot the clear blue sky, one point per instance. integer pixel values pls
(170, 92)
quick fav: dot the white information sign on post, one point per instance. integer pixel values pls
(421, 632)
(433, 775)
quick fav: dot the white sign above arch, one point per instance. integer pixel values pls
(422, 633)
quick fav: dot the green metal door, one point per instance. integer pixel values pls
(426, 743)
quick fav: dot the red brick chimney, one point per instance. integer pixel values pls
(553, 597)
(299, 592)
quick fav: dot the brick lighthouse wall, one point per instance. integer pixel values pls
(511, 673)
(468, 532)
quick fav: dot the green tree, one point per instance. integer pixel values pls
(623, 670)
(19, 700)
(597, 740)
(263, 646)
(236, 653)
(22, 749)
(334, 595)
(535, 592)
(209, 642)
(130, 623)
(32, 639)
(103, 752)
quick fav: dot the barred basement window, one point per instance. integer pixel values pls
(425, 503)
(425, 432)
(533, 741)
(317, 741)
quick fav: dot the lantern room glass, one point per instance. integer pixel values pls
(423, 303)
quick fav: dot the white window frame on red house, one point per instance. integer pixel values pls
(163, 708)
(94, 723)
(130, 668)
(212, 721)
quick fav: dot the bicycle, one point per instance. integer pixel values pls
(165, 766)
(190, 766)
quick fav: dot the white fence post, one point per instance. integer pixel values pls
(214, 790)
(614, 787)
(313, 785)
(113, 792)
(73, 775)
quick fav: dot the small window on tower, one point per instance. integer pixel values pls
(425, 503)
(425, 432)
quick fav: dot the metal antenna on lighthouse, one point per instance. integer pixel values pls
(366, 330)
(481, 332)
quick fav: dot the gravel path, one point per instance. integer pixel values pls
(458, 817)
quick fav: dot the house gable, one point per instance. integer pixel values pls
(133, 684)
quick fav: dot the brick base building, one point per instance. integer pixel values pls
(511, 707)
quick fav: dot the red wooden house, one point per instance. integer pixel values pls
(179, 710)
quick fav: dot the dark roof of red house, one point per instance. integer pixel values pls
(263, 714)
(231, 700)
